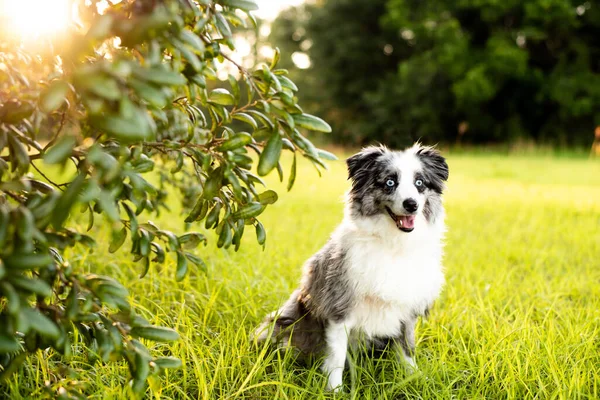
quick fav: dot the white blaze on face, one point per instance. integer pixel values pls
(407, 165)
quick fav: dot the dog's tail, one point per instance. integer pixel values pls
(292, 326)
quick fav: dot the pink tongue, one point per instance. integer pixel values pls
(408, 221)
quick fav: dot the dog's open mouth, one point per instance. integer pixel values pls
(406, 223)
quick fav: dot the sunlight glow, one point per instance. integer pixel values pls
(34, 19)
(301, 60)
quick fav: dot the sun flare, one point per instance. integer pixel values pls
(34, 19)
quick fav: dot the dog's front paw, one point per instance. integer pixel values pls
(334, 388)
(334, 382)
(411, 365)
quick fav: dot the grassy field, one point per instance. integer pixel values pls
(519, 316)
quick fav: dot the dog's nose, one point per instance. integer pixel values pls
(410, 205)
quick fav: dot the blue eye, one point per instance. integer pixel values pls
(418, 183)
(390, 182)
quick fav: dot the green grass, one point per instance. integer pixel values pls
(519, 316)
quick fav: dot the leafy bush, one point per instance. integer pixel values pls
(478, 72)
(106, 124)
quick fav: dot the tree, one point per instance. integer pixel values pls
(479, 72)
(131, 94)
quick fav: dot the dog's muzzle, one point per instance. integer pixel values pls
(406, 223)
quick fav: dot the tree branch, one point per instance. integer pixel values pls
(58, 185)
(62, 124)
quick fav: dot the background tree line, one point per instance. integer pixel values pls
(485, 71)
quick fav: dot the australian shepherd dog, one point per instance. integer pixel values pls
(380, 270)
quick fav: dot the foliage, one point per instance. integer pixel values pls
(109, 122)
(472, 71)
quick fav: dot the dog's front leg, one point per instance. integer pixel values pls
(336, 338)
(406, 343)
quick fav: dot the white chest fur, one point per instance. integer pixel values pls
(393, 275)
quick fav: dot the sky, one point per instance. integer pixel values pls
(269, 9)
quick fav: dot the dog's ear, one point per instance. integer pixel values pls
(363, 160)
(435, 166)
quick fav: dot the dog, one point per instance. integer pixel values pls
(381, 268)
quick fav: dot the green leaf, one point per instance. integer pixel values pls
(235, 87)
(199, 80)
(193, 40)
(101, 27)
(27, 260)
(54, 96)
(107, 284)
(140, 373)
(101, 85)
(292, 177)
(144, 243)
(19, 152)
(146, 262)
(263, 118)
(287, 100)
(108, 205)
(160, 253)
(14, 111)
(276, 58)
(221, 96)
(32, 285)
(311, 122)
(287, 83)
(172, 240)
(304, 144)
(261, 234)
(248, 211)
(155, 333)
(246, 5)
(72, 304)
(225, 236)
(133, 224)
(8, 344)
(133, 128)
(4, 224)
(222, 25)
(201, 24)
(196, 261)
(61, 151)
(13, 301)
(182, 266)
(25, 225)
(270, 154)
(41, 323)
(273, 81)
(150, 94)
(267, 197)
(160, 75)
(194, 215)
(167, 362)
(189, 55)
(13, 366)
(239, 232)
(235, 184)
(326, 155)
(118, 238)
(178, 163)
(245, 118)
(192, 240)
(213, 184)
(239, 140)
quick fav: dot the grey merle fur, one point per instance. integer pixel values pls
(324, 294)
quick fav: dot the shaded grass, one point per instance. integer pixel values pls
(519, 316)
